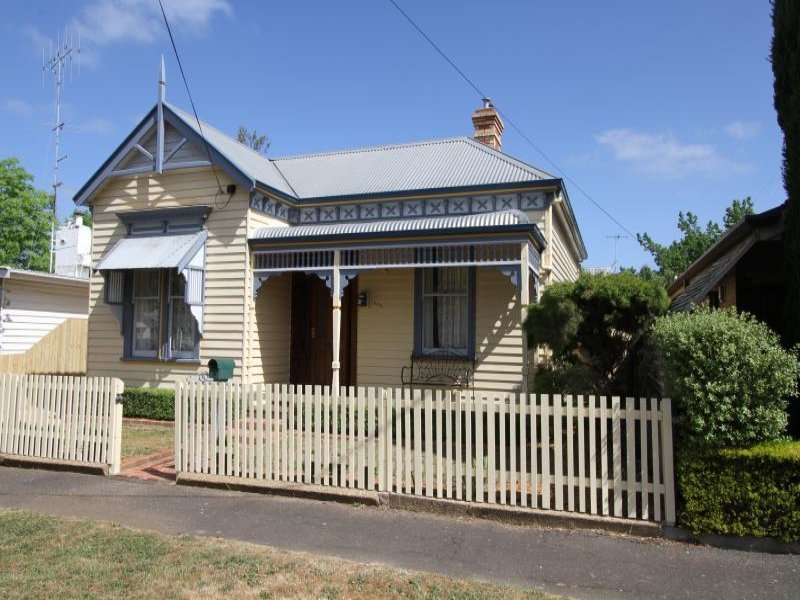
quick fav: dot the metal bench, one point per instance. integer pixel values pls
(441, 369)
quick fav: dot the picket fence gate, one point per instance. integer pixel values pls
(586, 454)
(62, 418)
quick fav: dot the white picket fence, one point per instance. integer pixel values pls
(63, 418)
(587, 454)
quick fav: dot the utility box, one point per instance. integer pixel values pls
(221, 369)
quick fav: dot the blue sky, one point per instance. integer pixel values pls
(652, 108)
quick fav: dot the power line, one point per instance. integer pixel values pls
(191, 101)
(508, 119)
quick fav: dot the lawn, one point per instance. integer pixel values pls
(143, 440)
(45, 557)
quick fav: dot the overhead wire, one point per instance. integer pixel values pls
(508, 119)
(194, 109)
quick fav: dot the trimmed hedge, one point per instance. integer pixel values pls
(747, 492)
(149, 403)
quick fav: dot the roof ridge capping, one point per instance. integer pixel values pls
(378, 147)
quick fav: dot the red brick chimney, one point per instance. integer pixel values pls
(488, 125)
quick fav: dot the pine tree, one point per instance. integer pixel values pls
(786, 69)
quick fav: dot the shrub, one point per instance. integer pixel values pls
(729, 375)
(149, 403)
(592, 325)
(753, 492)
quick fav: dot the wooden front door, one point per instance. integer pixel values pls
(312, 332)
(312, 341)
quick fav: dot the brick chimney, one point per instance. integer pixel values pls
(488, 125)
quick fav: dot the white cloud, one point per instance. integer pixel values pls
(19, 108)
(110, 21)
(742, 130)
(662, 155)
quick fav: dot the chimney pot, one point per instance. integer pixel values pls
(488, 125)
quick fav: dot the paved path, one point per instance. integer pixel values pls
(576, 564)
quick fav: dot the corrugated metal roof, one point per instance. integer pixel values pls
(495, 219)
(697, 290)
(434, 164)
(447, 163)
(253, 164)
(152, 251)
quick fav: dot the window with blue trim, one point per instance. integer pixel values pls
(158, 322)
(444, 311)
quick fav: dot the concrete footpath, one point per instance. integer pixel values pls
(569, 563)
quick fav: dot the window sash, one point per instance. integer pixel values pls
(160, 322)
(444, 310)
(182, 331)
(146, 314)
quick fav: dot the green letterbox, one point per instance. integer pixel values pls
(221, 369)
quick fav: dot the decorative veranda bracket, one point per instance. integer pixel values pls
(326, 275)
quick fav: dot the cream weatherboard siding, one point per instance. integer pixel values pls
(385, 327)
(271, 336)
(266, 344)
(498, 334)
(226, 292)
(32, 309)
(564, 264)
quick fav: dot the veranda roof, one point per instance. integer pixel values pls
(506, 221)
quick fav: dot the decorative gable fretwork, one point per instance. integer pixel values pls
(400, 209)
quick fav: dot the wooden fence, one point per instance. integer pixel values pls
(60, 352)
(588, 454)
(62, 418)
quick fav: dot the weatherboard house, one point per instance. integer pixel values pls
(357, 267)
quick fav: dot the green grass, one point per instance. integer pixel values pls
(143, 440)
(48, 557)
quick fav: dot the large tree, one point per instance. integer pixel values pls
(259, 143)
(786, 69)
(695, 239)
(26, 219)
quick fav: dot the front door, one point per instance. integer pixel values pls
(312, 342)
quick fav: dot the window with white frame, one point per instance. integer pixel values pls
(444, 311)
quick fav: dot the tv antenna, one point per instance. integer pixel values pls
(56, 61)
(616, 239)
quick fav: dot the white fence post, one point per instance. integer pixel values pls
(115, 449)
(669, 477)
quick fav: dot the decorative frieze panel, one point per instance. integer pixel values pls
(400, 209)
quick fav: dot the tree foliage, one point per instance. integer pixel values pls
(786, 70)
(672, 260)
(591, 327)
(26, 219)
(259, 143)
(729, 375)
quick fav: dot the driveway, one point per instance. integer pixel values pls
(571, 563)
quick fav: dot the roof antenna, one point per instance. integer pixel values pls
(60, 57)
(616, 239)
(162, 92)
